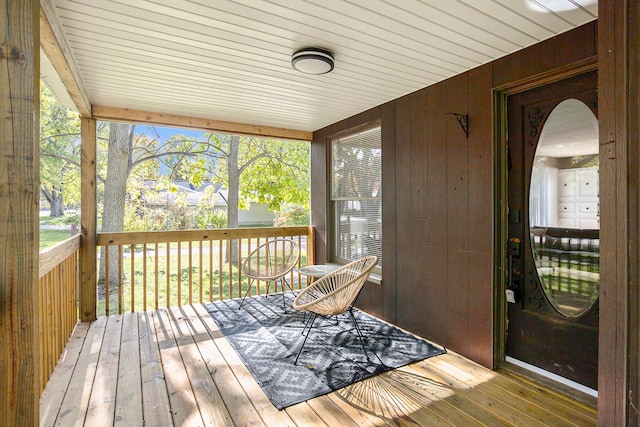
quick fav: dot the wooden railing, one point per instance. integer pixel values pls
(151, 270)
(58, 287)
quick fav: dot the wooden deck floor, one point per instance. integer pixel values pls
(174, 367)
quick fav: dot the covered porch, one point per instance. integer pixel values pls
(443, 238)
(174, 367)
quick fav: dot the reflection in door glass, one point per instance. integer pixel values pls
(564, 216)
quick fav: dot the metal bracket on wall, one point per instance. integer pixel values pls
(463, 121)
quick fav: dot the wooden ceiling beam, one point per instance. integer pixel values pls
(54, 45)
(160, 119)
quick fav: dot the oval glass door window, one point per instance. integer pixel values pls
(564, 218)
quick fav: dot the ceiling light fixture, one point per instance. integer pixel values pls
(312, 60)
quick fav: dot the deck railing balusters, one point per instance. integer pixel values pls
(155, 278)
(144, 277)
(211, 270)
(106, 280)
(190, 273)
(220, 269)
(200, 270)
(120, 259)
(223, 271)
(179, 273)
(57, 289)
(133, 277)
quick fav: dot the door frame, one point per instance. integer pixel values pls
(500, 221)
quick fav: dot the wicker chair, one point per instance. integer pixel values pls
(335, 294)
(271, 262)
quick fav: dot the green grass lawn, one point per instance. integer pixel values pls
(174, 283)
(52, 237)
(178, 284)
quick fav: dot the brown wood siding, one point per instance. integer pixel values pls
(319, 187)
(457, 185)
(633, 130)
(437, 242)
(576, 45)
(410, 215)
(387, 291)
(481, 166)
(539, 58)
(619, 99)
(438, 188)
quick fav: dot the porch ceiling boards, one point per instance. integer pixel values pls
(230, 60)
(174, 367)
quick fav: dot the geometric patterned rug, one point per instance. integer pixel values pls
(268, 339)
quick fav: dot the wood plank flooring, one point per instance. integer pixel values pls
(174, 367)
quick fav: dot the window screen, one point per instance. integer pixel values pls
(356, 194)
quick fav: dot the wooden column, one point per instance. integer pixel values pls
(619, 231)
(88, 220)
(19, 199)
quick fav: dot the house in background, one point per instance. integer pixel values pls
(258, 215)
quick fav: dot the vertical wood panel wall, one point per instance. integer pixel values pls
(438, 191)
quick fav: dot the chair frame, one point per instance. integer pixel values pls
(279, 275)
(319, 303)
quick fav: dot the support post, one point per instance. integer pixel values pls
(19, 212)
(618, 105)
(88, 221)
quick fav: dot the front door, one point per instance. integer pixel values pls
(553, 248)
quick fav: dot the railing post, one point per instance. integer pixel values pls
(311, 246)
(88, 220)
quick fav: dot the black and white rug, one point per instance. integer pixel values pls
(268, 339)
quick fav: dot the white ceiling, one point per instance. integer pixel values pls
(230, 60)
(571, 130)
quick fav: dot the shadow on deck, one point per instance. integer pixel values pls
(174, 367)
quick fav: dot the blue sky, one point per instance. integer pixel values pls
(165, 132)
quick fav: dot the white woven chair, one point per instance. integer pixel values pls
(271, 262)
(335, 294)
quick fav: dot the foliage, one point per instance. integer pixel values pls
(270, 171)
(211, 218)
(293, 216)
(273, 172)
(207, 216)
(148, 210)
(67, 219)
(59, 151)
(139, 218)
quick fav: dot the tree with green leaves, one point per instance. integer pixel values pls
(252, 169)
(141, 154)
(59, 153)
(266, 171)
(272, 172)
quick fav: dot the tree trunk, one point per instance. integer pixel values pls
(115, 189)
(56, 206)
(54, 197)
(234, 193)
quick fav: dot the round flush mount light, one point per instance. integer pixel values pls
(312, 60)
